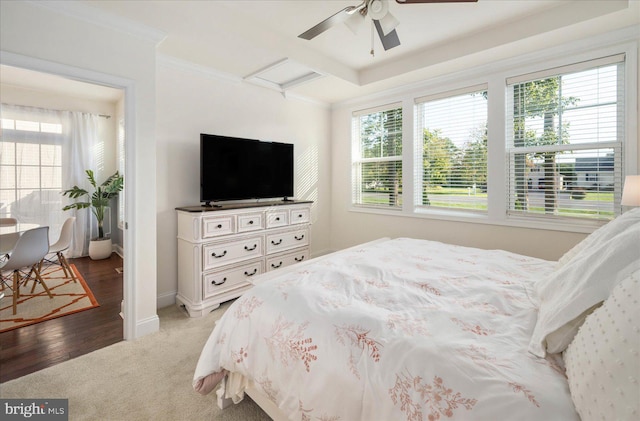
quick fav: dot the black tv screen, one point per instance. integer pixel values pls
(234, 168)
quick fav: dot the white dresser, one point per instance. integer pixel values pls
(221, 248)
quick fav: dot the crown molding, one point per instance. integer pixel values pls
(78, 10)
(189, 66)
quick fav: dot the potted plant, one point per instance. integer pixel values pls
(100, 247)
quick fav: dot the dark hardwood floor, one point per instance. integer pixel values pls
(32, 348)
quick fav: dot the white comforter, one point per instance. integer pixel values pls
(400, 329)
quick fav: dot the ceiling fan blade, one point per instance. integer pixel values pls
(435, 1)
(388, 41)
(337, 18)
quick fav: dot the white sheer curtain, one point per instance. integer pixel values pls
(42, 153)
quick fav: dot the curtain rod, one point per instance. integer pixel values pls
(51, 109)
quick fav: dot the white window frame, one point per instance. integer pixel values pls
(418, 147)
(357, 159)
(495, 76)
(617, 145)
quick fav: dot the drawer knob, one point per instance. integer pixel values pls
(299, 215)
(278, 218)
(219, 226)
(298, 238)
(252, 273)
(276, 243)
(273, 265)
(218, 283)
(299, 259)
(251, 222)
(217, 256)
(251, 248)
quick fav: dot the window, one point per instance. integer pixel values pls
(377, 158)
(541, 142)
(31, 170)
(451, 150)
(565, 141)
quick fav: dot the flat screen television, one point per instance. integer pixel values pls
(234, 168)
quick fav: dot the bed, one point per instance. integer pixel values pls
(409, 329)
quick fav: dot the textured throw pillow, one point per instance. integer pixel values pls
(603, 361)
(604, 233)
(571, 292)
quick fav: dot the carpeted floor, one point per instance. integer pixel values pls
(146, 379)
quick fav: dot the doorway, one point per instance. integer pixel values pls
(31, 76)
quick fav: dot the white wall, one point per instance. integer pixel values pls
(55, 39)
(191, 101)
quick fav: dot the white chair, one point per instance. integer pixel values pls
(57, 248)
(29, 251)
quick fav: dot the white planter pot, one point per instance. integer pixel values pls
(100, 249)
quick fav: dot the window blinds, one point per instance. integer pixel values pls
(565, 137)
(451, 150)
(377, 157)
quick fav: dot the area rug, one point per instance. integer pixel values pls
(68, 297)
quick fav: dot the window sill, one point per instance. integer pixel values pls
(564, 225)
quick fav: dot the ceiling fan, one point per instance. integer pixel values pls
(378, 10)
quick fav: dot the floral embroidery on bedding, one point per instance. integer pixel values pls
(470, 327)
(267, 388)
(288, 341)
(357, 337)
(406, 325)
(239, 356)
(519, 388)
(305, 415)
(412, 394)
(484, 307)
(480, 356)
(246, 307)
(428, 288)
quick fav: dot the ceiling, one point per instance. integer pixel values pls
(242, 37)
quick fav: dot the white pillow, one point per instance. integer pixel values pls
(603, 361)
(568, 295)
(604, 233)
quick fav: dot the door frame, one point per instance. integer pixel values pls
(128, 86)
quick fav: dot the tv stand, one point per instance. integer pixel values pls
(222, 246)
(209, 205)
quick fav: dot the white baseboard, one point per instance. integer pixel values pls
(147, 326)
(117, 249)
(166, 300)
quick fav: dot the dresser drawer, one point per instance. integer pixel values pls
(287, 259)
(219, 282)
(219, 254)
(277, 218)
(250, 222)
(299, 216)
(217, 226)
(287, 240)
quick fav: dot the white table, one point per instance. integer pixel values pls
(9, 235)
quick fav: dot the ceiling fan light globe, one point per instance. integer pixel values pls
(388, 23)
(378, 9)
(354, 23)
